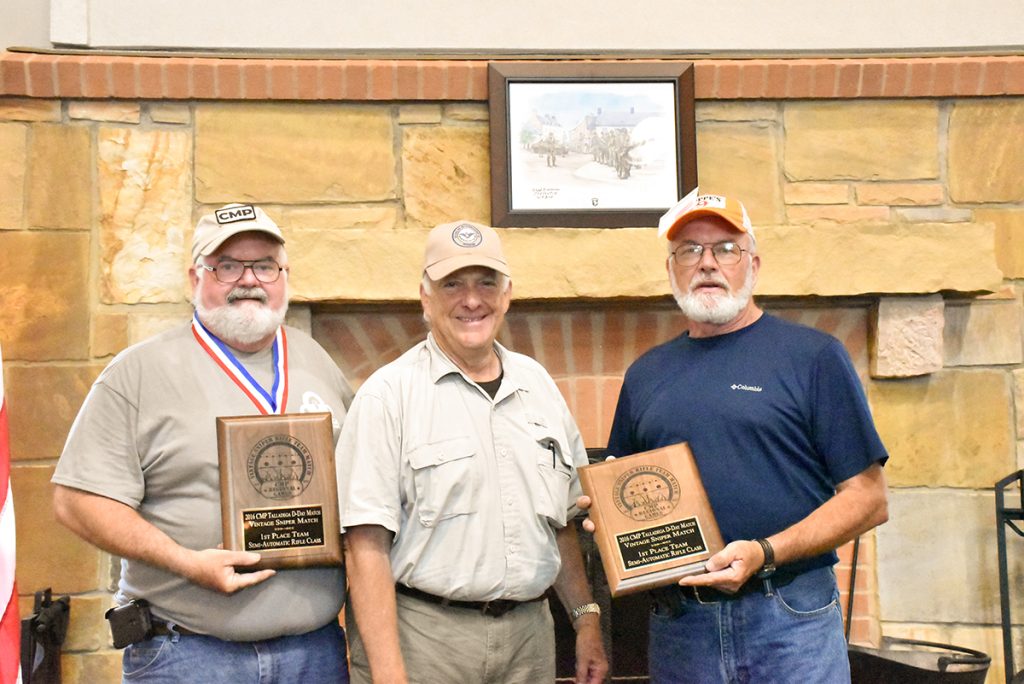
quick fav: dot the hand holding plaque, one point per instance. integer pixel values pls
(654, 524)
(278, 492)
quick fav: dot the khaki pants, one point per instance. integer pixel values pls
(460, 646)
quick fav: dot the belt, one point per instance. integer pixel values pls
(164, 629)
(751, 586)
(493, 608)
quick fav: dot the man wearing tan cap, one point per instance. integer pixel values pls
(457, 477)
(778, 422)
(139, 475)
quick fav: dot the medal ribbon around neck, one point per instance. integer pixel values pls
(272, 402)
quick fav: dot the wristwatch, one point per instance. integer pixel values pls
(768, 569)
(580, 611)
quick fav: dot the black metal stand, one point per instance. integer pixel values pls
(1008, 514)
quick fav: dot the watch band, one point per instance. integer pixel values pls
(768, 569)
(580, 611)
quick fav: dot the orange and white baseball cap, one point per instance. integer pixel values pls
(451, 246)
(231, 219)
(695, 205)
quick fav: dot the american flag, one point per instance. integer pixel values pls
(10, 625)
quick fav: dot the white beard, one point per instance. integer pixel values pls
(717, 308)
(245, 323)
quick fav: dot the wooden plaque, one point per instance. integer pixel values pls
(278, 492)
(654, 522)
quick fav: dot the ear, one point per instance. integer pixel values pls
(193, 279)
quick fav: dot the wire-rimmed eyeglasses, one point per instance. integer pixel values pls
(726, 253)
(229, 271)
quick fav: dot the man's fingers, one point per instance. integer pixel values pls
(589, 525)
(248, 579)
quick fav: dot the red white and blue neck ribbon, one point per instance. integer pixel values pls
(270, 402)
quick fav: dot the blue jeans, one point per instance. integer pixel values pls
(317, 657)
(795, 635)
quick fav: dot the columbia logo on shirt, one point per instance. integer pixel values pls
(746, 388)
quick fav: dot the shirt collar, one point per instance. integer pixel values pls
(441, 366)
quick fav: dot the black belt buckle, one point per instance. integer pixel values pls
(497, 607)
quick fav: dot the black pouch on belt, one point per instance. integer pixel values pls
(130, 623)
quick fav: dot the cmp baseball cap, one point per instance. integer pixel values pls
(451, 246)
(695, 205)
(231, 219)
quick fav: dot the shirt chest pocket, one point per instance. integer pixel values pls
(554, 469)
(446, 478)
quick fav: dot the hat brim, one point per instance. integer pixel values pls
(698, 213)
(220, 238)
(445, 267)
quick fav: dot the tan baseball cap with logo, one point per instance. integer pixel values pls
(231, 219)
(455, 245)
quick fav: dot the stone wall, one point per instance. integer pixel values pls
(892, 217)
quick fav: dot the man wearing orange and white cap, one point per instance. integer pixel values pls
(778, 422)
(457, 478)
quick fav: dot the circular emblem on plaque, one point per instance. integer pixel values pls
(646, 492)
(280, 467)
(467, 235)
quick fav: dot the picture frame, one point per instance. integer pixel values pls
(590, 145)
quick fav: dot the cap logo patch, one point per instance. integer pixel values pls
(234, 214)
(467, 235)
(715, 201)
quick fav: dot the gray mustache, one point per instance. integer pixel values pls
(247, 293)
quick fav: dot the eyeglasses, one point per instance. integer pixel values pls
(229, 271)
(726, 253)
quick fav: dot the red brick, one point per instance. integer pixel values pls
(614, 358)
(282, 80)
(458, 82)
(753, 76)
(872, 82)
(382, 80)
(968, 78)
(1015, 77)
(896, 77)
(357, 76)
(848, 80)
(583, 342)
(177, 79)
(331, 77)
(704, 74)
(775, 79)
(994, 76)
(151, 78)
(799, 83)
(477, 81)
(94, 74)
(945, 76)
(553, 343)
(124, 77)
(727, 83)
(254, 80)
(408, 81)
(229, 79)
(823, 78)
(13, 74)
(204, 78)
(307, 81)
(433, 80)
(922, 76)
(587, 413)
(610, 389)
(41, 81)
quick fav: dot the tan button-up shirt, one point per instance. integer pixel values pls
(473, 488)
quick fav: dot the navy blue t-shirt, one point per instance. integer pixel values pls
(774, 413)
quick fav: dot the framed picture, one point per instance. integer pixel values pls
(586, 144)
